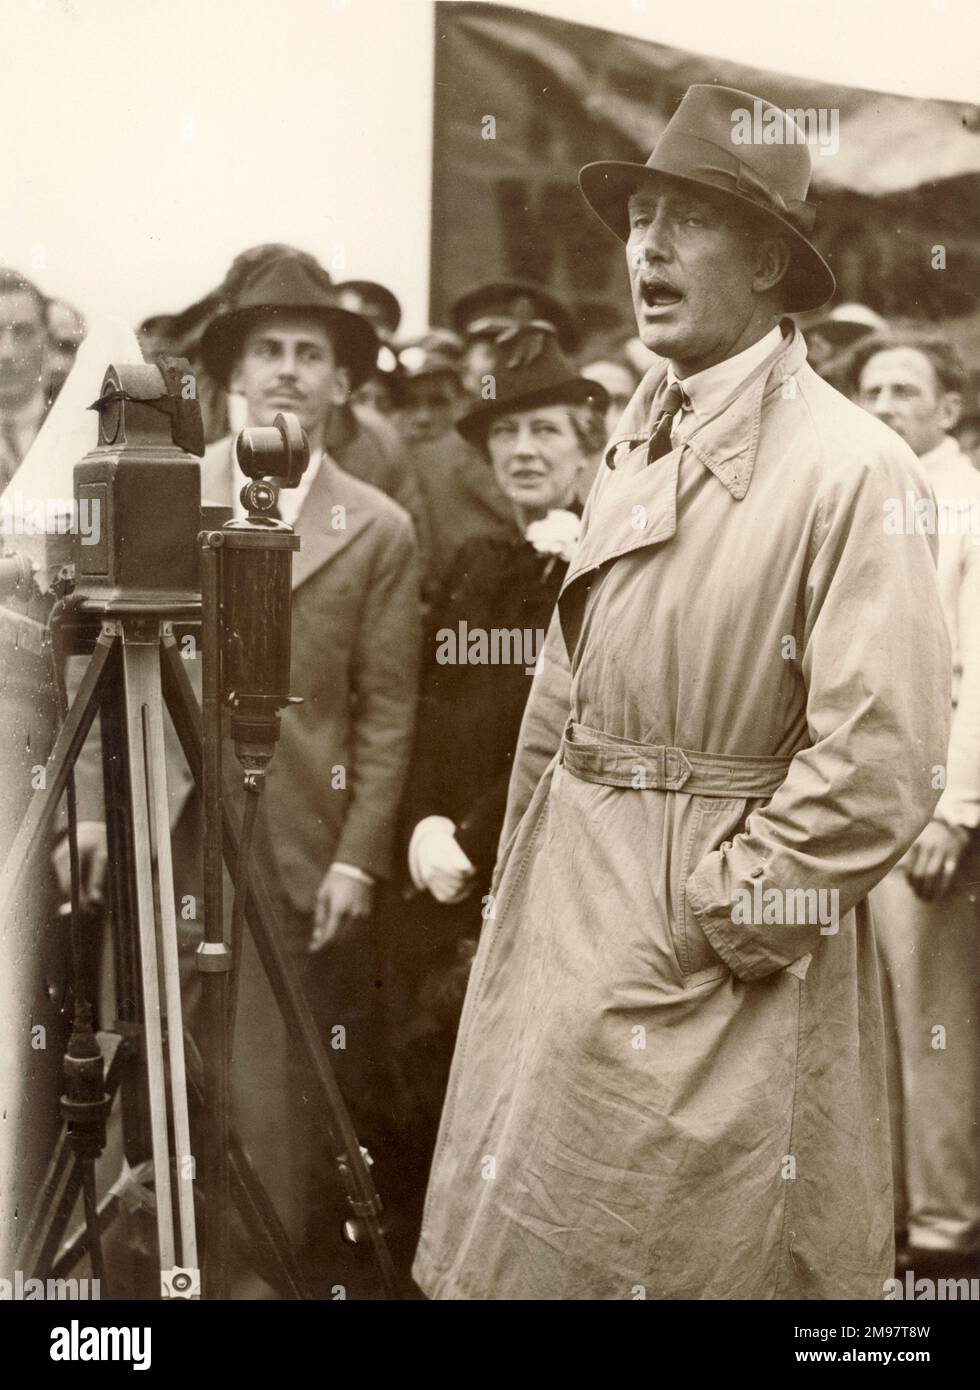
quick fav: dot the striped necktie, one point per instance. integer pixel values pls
(660, 439)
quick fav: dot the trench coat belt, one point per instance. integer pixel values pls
(594, 756)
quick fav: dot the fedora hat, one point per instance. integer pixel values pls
(489, 308)
(697, 147)
(288, 285)
(530, 370)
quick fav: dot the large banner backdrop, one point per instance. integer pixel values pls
(522, 101)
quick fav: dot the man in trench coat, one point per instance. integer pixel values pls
(669, 1079)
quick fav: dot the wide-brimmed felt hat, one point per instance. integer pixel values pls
(530, 370)
(514, 300)
(287, 285)
(697, 147)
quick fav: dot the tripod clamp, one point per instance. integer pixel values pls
(85, 1103)
(178, 1282)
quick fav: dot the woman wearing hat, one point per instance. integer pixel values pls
(540, 433)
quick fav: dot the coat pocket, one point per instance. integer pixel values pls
(713, 821)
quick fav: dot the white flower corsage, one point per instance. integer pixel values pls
(555, 534)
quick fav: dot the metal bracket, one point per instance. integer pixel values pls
(177, 1282)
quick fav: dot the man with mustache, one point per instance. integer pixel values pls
(285, 346)
(335, 783)
(669, 1078)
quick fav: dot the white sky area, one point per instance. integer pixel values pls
(146, 142)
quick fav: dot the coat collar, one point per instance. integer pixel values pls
(727, 442)
(705, 392)
(726, 445)
(332, 514)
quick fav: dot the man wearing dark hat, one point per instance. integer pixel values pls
(360, 441)
(669, 1078)
(336, 781)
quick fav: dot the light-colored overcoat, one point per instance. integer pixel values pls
(663, 1087)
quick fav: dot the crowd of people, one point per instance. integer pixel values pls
(438, 517)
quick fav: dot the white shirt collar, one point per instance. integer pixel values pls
(707, 391)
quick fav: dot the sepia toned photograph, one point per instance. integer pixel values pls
(490, 677)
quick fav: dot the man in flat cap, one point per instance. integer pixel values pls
(669, 1079)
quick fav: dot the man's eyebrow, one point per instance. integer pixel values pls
(271, 338)
(670, 198)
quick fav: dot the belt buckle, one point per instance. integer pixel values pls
(675, 781)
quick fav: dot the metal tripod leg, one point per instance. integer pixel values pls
(57, 769)
(151, 822)
(280, 973)
(275, 1260)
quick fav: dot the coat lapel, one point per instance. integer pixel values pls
(331, 516)
(634, 504)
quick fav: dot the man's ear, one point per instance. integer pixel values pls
(341, 390)
(235, 378)
(772, 263)
(950, 410)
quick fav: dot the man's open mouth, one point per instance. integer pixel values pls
(656, 294)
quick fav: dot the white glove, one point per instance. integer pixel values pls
(436, 861)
